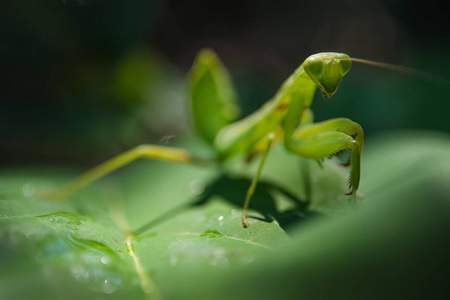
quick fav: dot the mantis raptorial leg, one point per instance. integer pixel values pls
(328, 138)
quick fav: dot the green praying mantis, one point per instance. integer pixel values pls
(286, 117)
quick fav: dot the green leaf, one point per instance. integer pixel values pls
(160, 230)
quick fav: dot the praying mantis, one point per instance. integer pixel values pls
(286, 117)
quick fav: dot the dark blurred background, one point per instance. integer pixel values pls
(85, 79)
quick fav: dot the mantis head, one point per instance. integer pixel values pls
(326, 70)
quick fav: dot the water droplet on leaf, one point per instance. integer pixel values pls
(105, 260)
(197, 186)
(109, 287)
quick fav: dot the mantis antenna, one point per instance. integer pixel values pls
(422, 74)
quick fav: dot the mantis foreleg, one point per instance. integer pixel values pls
(327, 138)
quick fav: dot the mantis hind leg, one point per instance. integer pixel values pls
(142, 151)
(327, 138)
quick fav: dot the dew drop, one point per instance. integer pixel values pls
(109, 287)
(105, 260)
(220, 218)
(197, 186)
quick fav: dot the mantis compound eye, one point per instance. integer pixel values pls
(313, 66)
(345, 64)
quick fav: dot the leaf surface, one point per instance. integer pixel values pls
(159, 230)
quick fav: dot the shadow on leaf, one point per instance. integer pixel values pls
(233, 190)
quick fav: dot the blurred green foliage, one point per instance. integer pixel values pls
(85, 79)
